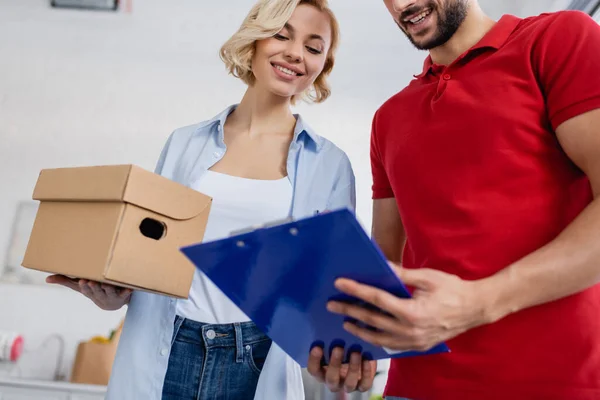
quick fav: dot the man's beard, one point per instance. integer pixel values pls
(449, 20)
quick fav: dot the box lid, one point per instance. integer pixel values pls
(123, 183)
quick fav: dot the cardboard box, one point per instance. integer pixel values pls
(117, 224)
(94, 360)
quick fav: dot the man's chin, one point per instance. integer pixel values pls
(422, 44)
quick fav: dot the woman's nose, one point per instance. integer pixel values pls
(294, 52)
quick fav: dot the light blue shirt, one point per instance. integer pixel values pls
(322, 179)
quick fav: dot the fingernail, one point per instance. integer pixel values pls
(333, 307)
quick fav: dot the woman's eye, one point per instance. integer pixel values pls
(313, 50)
(280, 37)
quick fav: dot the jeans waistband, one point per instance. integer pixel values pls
(221, 335)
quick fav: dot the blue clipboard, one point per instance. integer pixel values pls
(282, 277)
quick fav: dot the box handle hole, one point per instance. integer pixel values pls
(153, 229)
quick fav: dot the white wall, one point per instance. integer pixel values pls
(85, 88)
(53, 320)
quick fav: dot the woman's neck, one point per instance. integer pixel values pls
(261, 113)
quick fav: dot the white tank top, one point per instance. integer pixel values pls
(238, 203)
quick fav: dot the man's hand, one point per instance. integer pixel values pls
(107, 297)
(443, 306)
(358, 375)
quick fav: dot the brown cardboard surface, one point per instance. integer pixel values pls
(67, 235)
(163, 196)
(101, 183)
(89, 225)
(155, 256)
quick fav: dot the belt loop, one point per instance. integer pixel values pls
(239, 343)
(176, 326)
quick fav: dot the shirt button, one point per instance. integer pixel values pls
(248, 347)
(164, 352)
(447, 77)
(210, 334)
(217, 154)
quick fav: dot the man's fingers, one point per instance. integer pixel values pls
(372, 295)
(368, 375)
(420, 278)
(332, 376)
(372, 318)
(314, 364)
(354, 373)
(382, 339)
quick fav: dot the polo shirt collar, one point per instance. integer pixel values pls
(494, 39)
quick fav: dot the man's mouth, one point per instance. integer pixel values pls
(417, 18)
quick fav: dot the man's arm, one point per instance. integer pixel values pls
(387, 229)
(571, 262)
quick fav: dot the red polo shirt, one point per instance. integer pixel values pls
(470, 155)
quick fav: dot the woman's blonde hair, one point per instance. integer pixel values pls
(266, 19)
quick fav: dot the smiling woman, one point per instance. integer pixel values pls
(308, 35)
(259, 162)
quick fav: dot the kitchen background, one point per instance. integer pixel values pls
(81, 87)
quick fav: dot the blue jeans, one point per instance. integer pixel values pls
(214, 362)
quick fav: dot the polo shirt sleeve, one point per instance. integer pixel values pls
(567, 59)
(381, 184)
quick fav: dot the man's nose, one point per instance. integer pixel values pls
(400, 5)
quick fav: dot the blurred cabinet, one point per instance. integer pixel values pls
(16, 389)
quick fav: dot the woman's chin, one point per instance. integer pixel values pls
(286, 94)
(286, 91)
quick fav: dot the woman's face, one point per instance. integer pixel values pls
(288, 63)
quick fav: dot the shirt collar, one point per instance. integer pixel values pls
(301, 129)
(494, 39)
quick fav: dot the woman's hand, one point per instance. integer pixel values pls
(105, 296)
(358, 374)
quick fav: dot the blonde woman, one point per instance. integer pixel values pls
(260, 163)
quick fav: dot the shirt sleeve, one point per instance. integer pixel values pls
(381, 184)
(344, 192)
(163, 155)
(567, 60)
